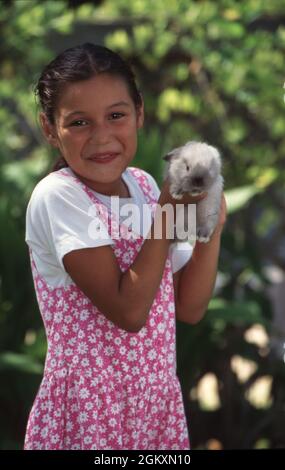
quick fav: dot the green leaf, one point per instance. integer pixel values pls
(222, 313)
(19, 362)
(237, 198)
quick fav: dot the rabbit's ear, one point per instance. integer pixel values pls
(172, 154)
(214, 151)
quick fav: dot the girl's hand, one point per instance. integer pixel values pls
(166, 197)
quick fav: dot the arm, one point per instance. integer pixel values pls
(124, 298)
(194, 283)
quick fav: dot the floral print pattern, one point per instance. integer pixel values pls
(104, 387)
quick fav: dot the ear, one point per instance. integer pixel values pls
(216, 155)
(48, 130)
(214, 151)
(172, 154)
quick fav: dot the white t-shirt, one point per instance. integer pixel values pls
(58, 219)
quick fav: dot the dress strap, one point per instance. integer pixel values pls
(143, 182)
(145, 186)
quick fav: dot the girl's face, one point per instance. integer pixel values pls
(95, 129)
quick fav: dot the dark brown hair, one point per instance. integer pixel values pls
(80, 63)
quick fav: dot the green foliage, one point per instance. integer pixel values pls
(208, 70)
(24, 28)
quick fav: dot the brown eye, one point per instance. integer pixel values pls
(187, 167)
(116, 116)
(75, 123)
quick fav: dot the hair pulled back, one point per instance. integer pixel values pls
(77, 63)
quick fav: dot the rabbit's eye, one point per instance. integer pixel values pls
(187, 167)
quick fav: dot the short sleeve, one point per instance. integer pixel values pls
(61, 217)
(181, 252)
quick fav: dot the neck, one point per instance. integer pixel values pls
(117, 188)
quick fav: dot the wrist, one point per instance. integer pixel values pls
(217, 233)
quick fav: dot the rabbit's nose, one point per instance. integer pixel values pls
(198, 181)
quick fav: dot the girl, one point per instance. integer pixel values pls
(108, 303)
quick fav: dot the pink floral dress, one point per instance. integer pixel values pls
(104, 387)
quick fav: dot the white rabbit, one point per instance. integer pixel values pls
(195, 168)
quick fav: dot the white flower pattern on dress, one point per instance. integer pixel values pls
(104, 387)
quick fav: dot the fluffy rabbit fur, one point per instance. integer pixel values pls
(195, 168)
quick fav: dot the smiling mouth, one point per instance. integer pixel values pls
(103, 158)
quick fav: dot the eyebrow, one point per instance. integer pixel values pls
(119, 103)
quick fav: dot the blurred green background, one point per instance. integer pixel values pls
(209, 70)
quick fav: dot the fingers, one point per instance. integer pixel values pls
(166, 196)
(187, 199)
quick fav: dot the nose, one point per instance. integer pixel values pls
(198, 181)
(100, 135)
